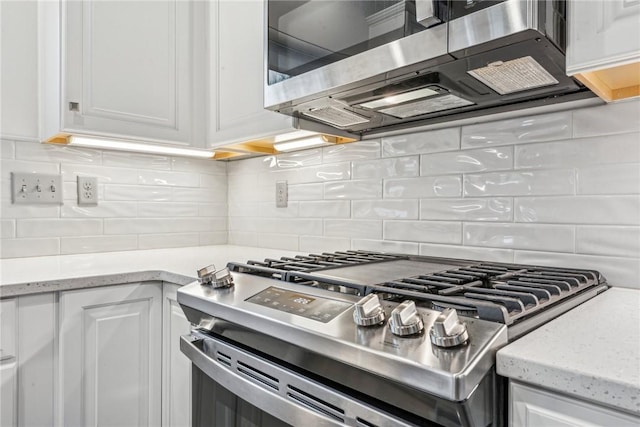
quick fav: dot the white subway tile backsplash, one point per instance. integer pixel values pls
(295, 160)
(203, 195)
(170, 240)
(243, 209)
(385, 246)
(237, 223)
(581, 152)
(243, 238)
(306, 191)
(521, 183)
(104, 174)
(466, 161)
(9, 211)
(102, 210)
(9, 166)
(7, 149)
(269, 209)
(489, 209)
(341, 152)
(17, 248)
(353, 228)
(174, 179)
(57, 153)
(385, 209)
(424, 231)
(421, 142)
(163, 209)
(213, 238)
(287, 242)
(207, 167)
(605, 210)
(324, 172)
(214, 183)
(623, 272)
(137, 192)
(92, 244)
(395, 167)
(360, 189)
(466, 252)
(296, 226)
(546, 127)
(609, 241)
(7, 228)
(135, 160)
(155, 225)
(520, 236)
(322, 244)
(52, 227)
(213, 209)
(609, 179)
(416, 188)
(325, 209)
(617, 117)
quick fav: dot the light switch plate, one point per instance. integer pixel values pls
(87, 190)
(282, 194)
(36, 188)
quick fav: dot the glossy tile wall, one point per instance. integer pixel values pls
(144, 202)
(554, 189)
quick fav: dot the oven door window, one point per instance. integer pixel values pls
(306, 35)
(214, 405)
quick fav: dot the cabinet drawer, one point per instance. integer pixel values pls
(533, 407)
(7, 329)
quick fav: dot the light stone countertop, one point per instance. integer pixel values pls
(21, 276)
(591, 352)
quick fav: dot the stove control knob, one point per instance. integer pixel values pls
(368, 311)
(405, 320)
(448, 330)
(215, 278)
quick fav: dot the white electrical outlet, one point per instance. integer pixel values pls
(87, 190)
(282, 194)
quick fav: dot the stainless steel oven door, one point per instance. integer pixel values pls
(234, 387)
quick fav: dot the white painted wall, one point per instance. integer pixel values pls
(555, 189)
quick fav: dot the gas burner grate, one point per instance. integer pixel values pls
(280, 268)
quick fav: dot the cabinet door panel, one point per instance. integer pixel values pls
(110, 356)
(237, 108)
(8, 395)
(128, 67)
(176, 366)
(602, 33)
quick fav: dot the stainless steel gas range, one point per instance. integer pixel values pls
(364, 339)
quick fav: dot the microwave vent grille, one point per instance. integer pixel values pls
(336, 116)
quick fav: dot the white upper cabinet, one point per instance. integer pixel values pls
(603, 46)
(130, 69)
(236, 70)
(19, 70)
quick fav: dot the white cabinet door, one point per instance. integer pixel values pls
(176, 367)
(236, 111)
(19, 70)
(602, 34)
(8, 363)
(129, 68)
(534, 407)
(8, 393)
(110, 356)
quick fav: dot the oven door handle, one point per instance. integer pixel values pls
(280, 393)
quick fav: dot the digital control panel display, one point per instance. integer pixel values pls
(315, 308)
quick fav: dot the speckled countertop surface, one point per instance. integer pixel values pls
(591, 352)
(23, 276)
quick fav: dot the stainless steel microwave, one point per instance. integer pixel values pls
(371, 66)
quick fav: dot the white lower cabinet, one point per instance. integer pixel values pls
(535, 407)
(110, 356)
(176, 367)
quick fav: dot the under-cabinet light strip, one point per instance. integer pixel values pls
(111, 144)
